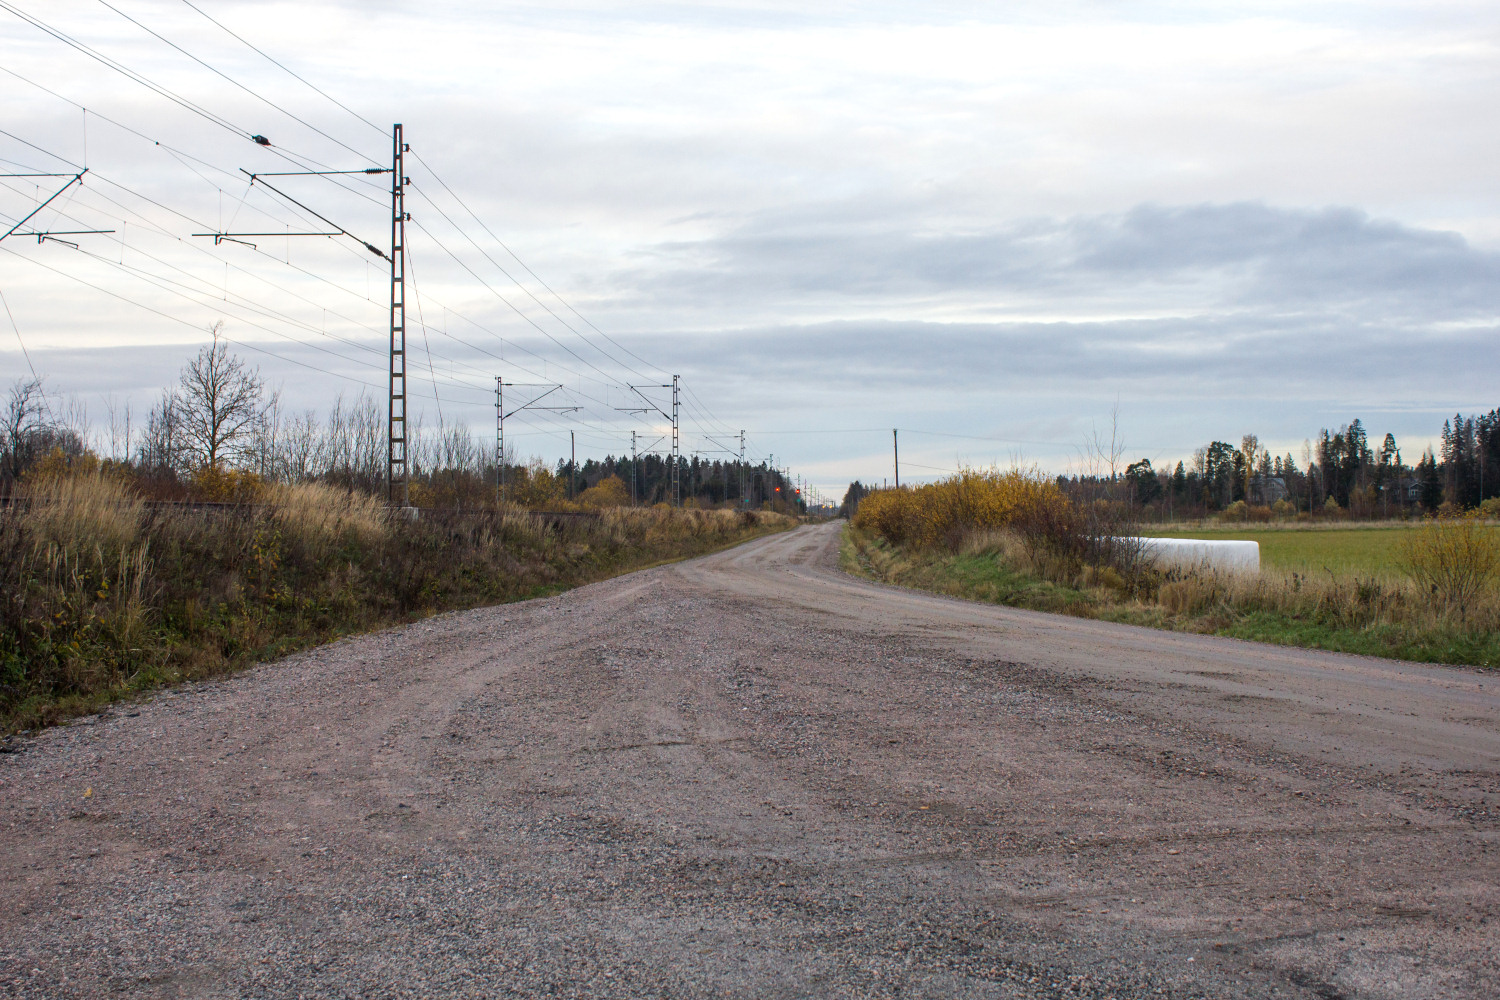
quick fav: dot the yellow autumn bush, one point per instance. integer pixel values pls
(971, 500)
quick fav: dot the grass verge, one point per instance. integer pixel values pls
(102, 598)
(1340, 614)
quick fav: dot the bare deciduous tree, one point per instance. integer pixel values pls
(161, 448)
(119, 428)
(265, 451)
(22, 419)
(302, 448)
(220, 402)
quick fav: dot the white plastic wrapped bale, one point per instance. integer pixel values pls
(1194, 553)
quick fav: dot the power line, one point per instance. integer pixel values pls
(518, 284)
(220, 73)
(178, 153)
(491, 289)
(33, 145)
(422, 322)
(281, 66)
(152, 224)
(183, 291)
(176, 288)
(280, 152)
(259, 309)
(523, 288)
(24, 353)
(141, 305)
(133, 75)
(518, 260)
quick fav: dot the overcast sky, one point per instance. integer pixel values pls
(990, 225)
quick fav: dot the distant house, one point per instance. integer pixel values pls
(1268, 489)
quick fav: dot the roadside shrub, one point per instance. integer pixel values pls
(216, 484)
(945, 512)
(1453, 560)
(608, 492)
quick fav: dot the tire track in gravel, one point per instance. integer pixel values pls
(749, 775)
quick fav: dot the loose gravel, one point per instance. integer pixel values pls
(751, 776)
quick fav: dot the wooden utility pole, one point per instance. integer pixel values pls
(896, 451)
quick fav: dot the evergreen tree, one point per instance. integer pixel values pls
(1141, 478)
(1429, 484)
(852, 496)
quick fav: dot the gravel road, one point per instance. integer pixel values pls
(751, 776)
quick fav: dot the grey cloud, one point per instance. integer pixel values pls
(1176, 359)
(1167, 258)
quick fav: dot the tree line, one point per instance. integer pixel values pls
(219, 431)
(1340, 470)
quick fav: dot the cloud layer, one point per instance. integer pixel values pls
(965, 219)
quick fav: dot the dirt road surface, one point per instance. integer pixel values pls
(751, 776)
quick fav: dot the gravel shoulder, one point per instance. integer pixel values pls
(750, 775)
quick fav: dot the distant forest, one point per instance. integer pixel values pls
(708, 483)
(1341, 469)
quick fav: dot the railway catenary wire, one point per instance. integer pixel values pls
(566, 304)
(604, 435)
(485, 253)
(153, 224)
(320, 92)
(248, 345)
(218, 72)
(183, 291)
(511, 305)
(447, 188)
(447, 218)
(187, 291)
(254, 307)
(280, 151)
(456, 197)
(179, 155)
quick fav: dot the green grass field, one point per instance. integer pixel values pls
(1367, 550)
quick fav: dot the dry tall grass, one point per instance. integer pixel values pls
(99, 596)
(78, 548)
(92, 513)
(319, 516)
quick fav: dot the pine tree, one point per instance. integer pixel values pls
(1429, 484)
